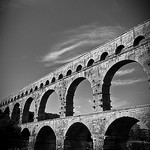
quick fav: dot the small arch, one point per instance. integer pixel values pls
(90, 62)
(22, 94)
(79, 68)
(36, 88)
(47, 83)
(41, 85)
(26, 93)
(69, 72)
(15, 98)
(11, 99)
(138, 40)
(53, 80)
(46, 139)
(119, 49)
(60, 77)
(103, 56)
(18, 96)
(78, 136)
(31, 90)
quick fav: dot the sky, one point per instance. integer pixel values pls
(38, 36)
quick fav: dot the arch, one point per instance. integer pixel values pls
(15, 113)
(41, 111)
(6, 112)
(27, 115)
(26, 93)
(22, 94)
(36, 88)
(117, 133)
(78, 137)
(90, 62)
(15, 98)
(25, 137)
(60, 76)
(41, 85)
(46, 139)
(53, 80)
(79, 68)
(107, 83)
(70, 95)
(31, 90)
(103, 56)
(119, 49)
(69, 72)
(18, 96)
(138, 40)
(47, 83)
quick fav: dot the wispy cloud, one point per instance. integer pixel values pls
(124, 72)
(78, 41)
(117, 103)
(127, 82)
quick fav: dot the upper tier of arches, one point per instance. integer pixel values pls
(103, 55)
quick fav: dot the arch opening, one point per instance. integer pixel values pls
(103, 56)
(117, 134)
(47, 83)
(49, 106)
(60, 77)
(6, 113)
(28, 111)
(53, 80)
(25, 138)
(119, 49)
(69, 72)
(78, 137)
(138, 40)
(16, 114)
(79, 68)
(46, 139)
(79, 97)
(125, 84)
(90, 62)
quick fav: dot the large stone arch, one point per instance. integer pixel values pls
(109, 73)
(45, 139)
(15, 116)
(7, 113)
(42, 105)
(26, 114)
(116, 135)
(78, 136)
(70, 94)
(25, 134)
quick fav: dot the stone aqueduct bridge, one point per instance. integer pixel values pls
(98, 67)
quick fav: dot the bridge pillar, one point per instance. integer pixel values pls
(60, 143)
(31, 142)
(97, 96)
(98, 142)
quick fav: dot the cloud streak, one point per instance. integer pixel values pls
(124, 72)
(127, 82)
(78, 41)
